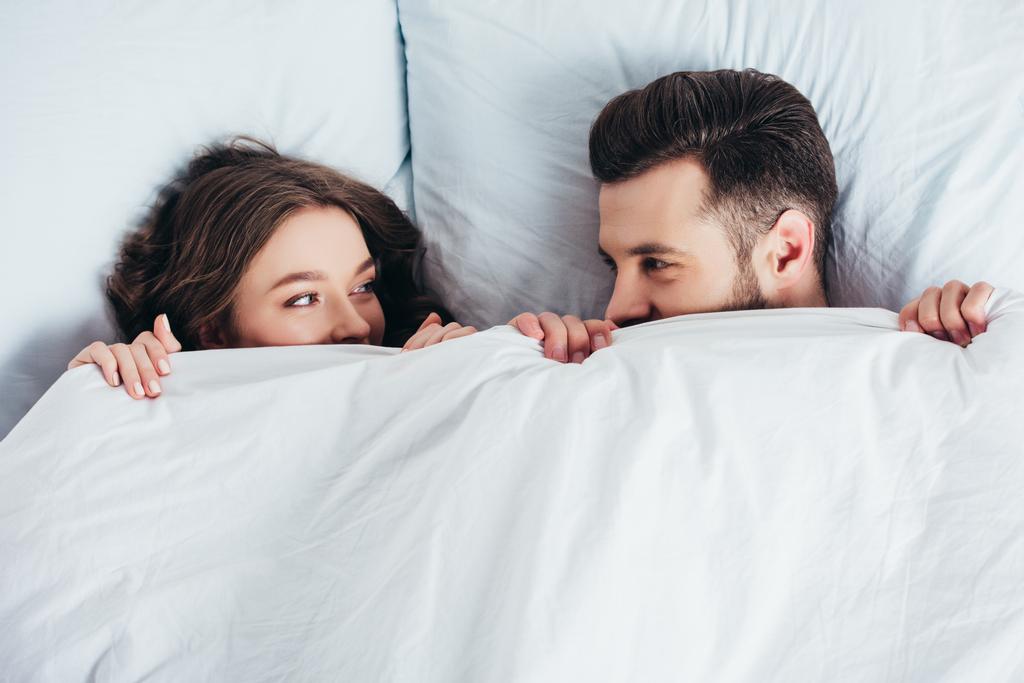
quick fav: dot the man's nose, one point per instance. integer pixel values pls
(629, 304)
(347, 326)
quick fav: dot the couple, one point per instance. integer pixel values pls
(716, 193)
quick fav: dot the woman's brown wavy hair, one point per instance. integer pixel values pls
(191, 250)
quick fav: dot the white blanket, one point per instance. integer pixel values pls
(774, 495)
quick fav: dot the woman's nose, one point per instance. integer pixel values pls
(348, 327)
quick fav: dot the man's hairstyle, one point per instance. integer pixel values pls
(757, 138)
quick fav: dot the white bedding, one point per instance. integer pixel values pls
(773, 495)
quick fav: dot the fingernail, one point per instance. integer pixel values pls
(154, 386)
(912, 326)
(577, 357)
(600, 342)
(117, 379)
(137, 389)
(164, 366)
(167, 323)
(559, 353)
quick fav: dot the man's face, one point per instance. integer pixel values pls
(667, 259)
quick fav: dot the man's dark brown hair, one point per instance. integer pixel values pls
(757, 138)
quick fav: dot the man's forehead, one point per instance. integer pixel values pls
(655, 206)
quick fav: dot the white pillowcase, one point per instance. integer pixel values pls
(103, 102)
(922, 104)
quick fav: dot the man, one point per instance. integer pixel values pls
(717, 192)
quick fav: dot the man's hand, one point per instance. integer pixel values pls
(565, 337)
(954, 313)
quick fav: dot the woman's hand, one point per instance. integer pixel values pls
(138, 364)
(565, 337)
(433, 332)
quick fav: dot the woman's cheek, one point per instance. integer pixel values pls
(375, 317)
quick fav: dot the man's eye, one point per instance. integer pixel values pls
(365, 287)
(655, 264)
(611, 264)
(303, 300)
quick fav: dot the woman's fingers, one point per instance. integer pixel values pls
(953, 294)
(162, 333)
(129, 372)
(431, 319)
(147, 373)
(417, 340)
(556, 337)
(436, 335)
(973, 307)
(156, 351)
(928, 313)
(98, 353)
(528, 324)
(461, 332)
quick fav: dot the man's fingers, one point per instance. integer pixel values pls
(528, 324)
(953, 294)
(973, 307)
(908, 316)
(577, 338)
(129, 372)
(600, 333)
(162, 332)
(555, 337)
(928, 313)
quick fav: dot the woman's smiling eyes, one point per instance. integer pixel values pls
(295, 303)
(307, 299)
(366, 287)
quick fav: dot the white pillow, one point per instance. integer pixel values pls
(104, 101)
(922, 104)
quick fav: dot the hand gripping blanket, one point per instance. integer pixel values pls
(801, 494)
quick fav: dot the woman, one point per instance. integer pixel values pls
(250, 247)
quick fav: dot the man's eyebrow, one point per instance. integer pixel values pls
(654, 249)
(315, 275)
(646, 249)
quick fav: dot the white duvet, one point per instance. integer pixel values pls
(774, 495)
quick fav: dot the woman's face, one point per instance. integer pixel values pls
(312, 283)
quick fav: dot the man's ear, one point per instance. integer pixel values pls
(788, 249)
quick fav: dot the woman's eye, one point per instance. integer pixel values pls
(364, 288)
(611, 264)
(306, 299)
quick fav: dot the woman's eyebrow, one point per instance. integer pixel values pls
(365, 265)
(304, 276)
(315, 275)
